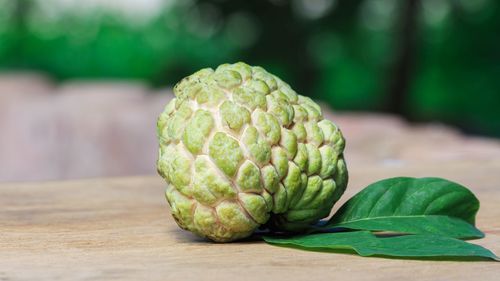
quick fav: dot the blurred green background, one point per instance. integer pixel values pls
(421, 59)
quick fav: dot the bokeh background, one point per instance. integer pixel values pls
(81, 82)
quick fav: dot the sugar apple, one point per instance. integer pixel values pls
(239, 150)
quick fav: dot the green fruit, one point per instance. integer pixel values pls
(240, 150)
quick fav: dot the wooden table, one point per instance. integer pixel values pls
(105, 229)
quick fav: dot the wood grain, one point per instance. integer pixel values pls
(120, 229)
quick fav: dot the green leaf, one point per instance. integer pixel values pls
(366, 244)
(411, 205)
(438, 225)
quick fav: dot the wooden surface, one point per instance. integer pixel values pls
(120, 229)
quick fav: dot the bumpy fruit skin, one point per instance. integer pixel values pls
(240, 150)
